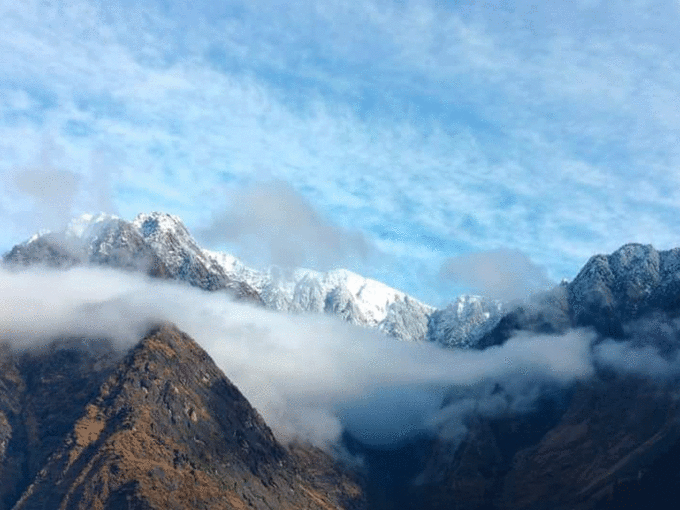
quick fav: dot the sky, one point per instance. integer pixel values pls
(424, 135)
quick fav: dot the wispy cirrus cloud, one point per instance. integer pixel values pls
(433, 129)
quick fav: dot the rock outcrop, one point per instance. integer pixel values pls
(635, 280)
(611, 441)
(610, 293)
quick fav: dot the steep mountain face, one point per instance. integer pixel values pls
(464, 322)
(42, 394)
(605, 446)
(160, 245)
(628, 284)
(83, 426)
(47, 250)
(609, 294)
(547, 313)
(609, 442)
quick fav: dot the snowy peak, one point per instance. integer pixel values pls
(158, 227)
(88, 226)
(170, 239)
(160, 245)
(632, 271)
(464, 322)
(612, 289)
(371, 298)
(611, 294)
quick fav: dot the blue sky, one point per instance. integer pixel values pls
(429, 130)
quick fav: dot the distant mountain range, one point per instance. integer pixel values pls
(160, 245)
(85, 426)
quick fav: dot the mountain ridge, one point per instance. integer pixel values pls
(608, 294)
(160, 245)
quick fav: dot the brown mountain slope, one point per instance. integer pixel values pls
(42, 393)
(161, 428)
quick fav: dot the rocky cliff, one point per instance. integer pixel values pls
(609, 294)
(611, 441)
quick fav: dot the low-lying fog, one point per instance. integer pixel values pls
(313, 376)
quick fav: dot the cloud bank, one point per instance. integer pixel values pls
(311, 377)
(652, 348)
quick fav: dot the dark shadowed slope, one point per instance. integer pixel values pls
(609, 442)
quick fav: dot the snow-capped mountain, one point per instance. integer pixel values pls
(464, 322)
(613, 294)
(613, 289)
(82, 425)
(160, 245)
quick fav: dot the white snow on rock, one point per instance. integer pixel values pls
(88, 226)
(464, 322)
(341, 292)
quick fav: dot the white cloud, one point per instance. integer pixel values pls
(309, 376)
(314, 376)
(507, 275)
(52, 191)
(275, 223)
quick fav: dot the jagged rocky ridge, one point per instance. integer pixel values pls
(160, 245)
(610, 294)
(84, 426)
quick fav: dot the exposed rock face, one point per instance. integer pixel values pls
(156, 244)
(340, 302)
(167, 237)
(157, 428)
(608, 294)
(407, 321)
(119, 245)
(613, 436)
(45, 250)
(547, 313)
(612, 442)
(42, 394)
